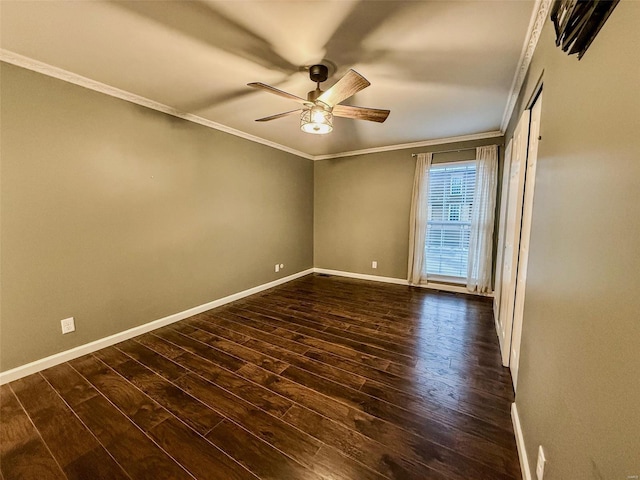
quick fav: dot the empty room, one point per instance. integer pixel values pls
(320, 240)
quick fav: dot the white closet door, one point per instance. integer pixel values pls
(512, 232)
(525, 234)
(500, 251)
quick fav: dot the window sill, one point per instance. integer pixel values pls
(443, 279)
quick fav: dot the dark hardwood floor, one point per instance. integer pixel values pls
(320, 378)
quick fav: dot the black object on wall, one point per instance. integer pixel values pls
(577, 22)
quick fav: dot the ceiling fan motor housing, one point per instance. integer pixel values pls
(318, 73)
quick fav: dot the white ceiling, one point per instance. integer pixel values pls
(443, 68)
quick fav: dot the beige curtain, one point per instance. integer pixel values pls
(482, 220)
(418, 217)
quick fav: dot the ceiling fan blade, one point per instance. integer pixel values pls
(361, 113)
(278, 115)
(350, 84)
(269, 88)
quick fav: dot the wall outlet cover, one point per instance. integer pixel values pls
(68, 325)
(277, 267)
(374, 264)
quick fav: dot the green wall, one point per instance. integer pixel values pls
(118, 215)
(362, 206)
(579, 381)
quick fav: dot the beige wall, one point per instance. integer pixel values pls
(579, 380)
(362, 208)
(119, 215)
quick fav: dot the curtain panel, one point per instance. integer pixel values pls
(418, 217)
(483, 220)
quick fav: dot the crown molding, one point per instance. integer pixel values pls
(538, 18)
(70, 77)
(425, 143)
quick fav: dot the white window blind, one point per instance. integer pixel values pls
(451, 188)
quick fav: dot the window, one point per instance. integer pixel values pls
(454, 212)
(456, 184)
(451, 189)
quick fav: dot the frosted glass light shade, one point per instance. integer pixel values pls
(316, 120)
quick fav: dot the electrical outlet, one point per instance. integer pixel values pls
(68, 325)
(374, 264)
(541, 462)
(281, 266)
(277, 267)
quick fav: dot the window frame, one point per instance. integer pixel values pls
(436, 278)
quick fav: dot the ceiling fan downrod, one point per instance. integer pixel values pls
(317, 73)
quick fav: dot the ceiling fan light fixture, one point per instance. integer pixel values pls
(316, 120)
(319, 108)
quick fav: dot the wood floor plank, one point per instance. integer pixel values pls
(283, 358)
(295, 443)
(199, 348)
(467, 432)
(184, 445)
(378, 457)
(158, 363)
(374, 388)
(23, 453)
(443, 407)
(160, 346)
(424, 389)
(143, 411)
(112, 356)
(257, 330)
(327, 371)
(268, 427)
(332, 463)
(182, 405)
(416, 343)
(319, 378)
(369, 329)
(69, 384)
(334, 328)
(130, 447)
(136, 453)
(80, 455)
(239, 351)
(343, 338)
(337, 349)
(196, 454)
(269, 401)
(215, 328)
(389, 434)
(258, 456)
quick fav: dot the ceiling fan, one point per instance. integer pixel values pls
(319, 108)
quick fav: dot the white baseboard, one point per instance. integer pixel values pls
(401, 281)
(498, 329)
(362, 276)
(522, 451)
(496, 319)
(52, 360)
